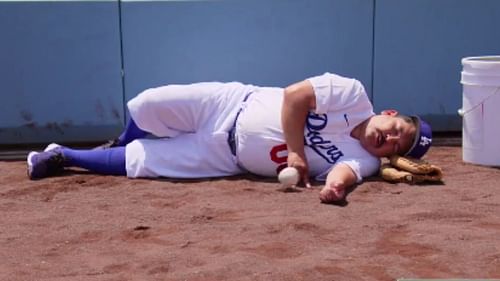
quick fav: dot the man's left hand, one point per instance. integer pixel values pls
(332, 193)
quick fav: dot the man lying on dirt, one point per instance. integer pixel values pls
(323, 126)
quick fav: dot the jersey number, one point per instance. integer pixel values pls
(279, 155)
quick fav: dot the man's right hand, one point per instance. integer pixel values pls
(298, 100)
(300, 163)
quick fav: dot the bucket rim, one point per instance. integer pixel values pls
(494, 59)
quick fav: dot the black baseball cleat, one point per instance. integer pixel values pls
(48, 163)
(108, 144)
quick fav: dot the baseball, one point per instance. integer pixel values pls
(289, 176)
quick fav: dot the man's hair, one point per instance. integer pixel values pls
(411, 121)
(407, 119)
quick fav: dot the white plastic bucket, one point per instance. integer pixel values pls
(481, 110)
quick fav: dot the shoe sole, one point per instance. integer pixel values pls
(33, 153)
(51, 146)
(30, 163)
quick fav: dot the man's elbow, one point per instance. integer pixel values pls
(290, 95)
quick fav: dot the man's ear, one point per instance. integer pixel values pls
(390, 112)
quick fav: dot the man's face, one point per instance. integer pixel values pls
(386, 135)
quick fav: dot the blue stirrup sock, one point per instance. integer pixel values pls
(110, 161)
(132, 132)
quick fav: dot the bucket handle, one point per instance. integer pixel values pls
(462, 112)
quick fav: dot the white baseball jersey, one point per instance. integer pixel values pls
(341, 104)
(191, 125)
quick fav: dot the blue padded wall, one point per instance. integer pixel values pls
(61, 62)
(60, 71)
(419, 45)
(263, 42)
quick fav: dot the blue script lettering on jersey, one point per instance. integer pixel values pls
(323, 147)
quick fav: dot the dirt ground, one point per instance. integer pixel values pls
(86, 227)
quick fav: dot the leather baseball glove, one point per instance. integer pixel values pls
(409, 170)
